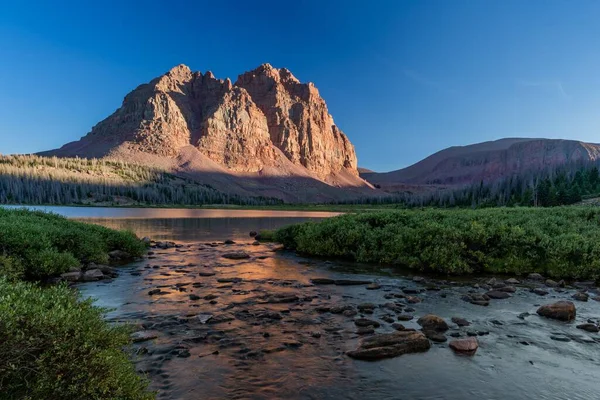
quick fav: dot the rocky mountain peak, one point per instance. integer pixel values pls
(268, 119)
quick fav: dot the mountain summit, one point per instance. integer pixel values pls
(267, 123)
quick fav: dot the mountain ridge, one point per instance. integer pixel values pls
(487, 161)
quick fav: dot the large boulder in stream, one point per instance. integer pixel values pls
(561, 310)
(433, 323)
(389, 345)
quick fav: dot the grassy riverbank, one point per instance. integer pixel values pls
(53, 345)
(561, 242)
(36, 245)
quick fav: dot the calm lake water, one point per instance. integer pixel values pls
(258, 348)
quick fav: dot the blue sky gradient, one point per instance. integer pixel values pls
(403, 79)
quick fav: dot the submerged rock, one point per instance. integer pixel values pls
(348, 282)
(581, 296)
(460, 321)
(366, 322)
(497, 294)
(467, 346)
(236, 255)
(561, 310)
(477, 299)
(322, 281)
(142, 336)
(436, 337)
(390, 345)
(589, 327)
(365, 330)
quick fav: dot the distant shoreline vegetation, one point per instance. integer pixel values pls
(561, 242)
(36, 180)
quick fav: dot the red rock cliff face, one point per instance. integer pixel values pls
(267, 119)
(299, 123)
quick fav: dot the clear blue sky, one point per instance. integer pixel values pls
(402, 78)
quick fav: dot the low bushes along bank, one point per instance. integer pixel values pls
(35, 245)
(562, 242)
(52, 345)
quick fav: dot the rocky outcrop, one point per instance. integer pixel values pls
(267, 121)
(299, 123)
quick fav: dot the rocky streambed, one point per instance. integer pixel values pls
(243, 320)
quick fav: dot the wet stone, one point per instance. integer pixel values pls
(412, 300)
(236, 255)
(405, 317)
(390, 345)
(365, 330)
(433, 323)
(460, 321)
(466, 346)
(397, 326)
(436, 337)
(351, 313)
(498, 295)
(142, 336)
(477, 299)
(322, 281)
(350, 282)
(229, 280)
(366, 322)
(560, 338)
(581, 296)
(507, 289)
(540, 292)
(589, 327)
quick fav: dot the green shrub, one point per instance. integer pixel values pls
(561, 242)
(43, 244)
(56, 347)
